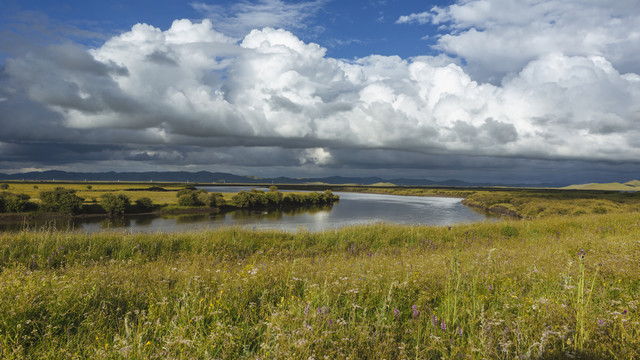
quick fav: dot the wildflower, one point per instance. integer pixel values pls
(415, 312)
(306, 310)
(396, 313)
(459, 330)
(434, 321)
(601, 322)
(443, 326)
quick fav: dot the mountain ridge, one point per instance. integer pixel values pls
(220, 177)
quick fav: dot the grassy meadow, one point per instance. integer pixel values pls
(550, 288)
(92, 192)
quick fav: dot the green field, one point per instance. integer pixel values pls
(93, 191)
(633, 185)
(548, 288)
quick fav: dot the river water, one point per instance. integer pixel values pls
(352, 209)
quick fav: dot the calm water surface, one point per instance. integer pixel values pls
(353, 208)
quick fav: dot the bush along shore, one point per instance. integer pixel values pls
(188, 199)
(552, 288)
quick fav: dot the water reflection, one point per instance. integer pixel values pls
(353, 208)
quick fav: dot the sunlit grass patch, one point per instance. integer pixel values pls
(550, 288)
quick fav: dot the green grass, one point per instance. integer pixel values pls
(533, 204)
(633, 185)
(548, 288)
(94, 190)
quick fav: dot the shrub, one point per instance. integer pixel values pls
(254, 198)
(4, 186)
(16, 203)
(216, 200)
(144, 204)
(274, 198)
(61, 200)
(190, 199)
(115, 204)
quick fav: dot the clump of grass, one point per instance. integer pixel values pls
(488, 290)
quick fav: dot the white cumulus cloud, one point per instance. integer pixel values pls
(194, 85)
(498, 37)
(192, 92)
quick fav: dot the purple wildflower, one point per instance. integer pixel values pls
(434, 321)
(601, 322)
(306, 310)
(443, 326)
(415, 311)
(396, 313)
(459, 330)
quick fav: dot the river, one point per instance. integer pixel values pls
(352, 209)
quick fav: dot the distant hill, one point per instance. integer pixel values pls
(633, 185)
(218, 177)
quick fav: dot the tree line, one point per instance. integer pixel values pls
(61, 200)
(275, 199)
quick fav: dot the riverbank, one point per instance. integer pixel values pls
(52, 204)
(548, 288)
(526, 203)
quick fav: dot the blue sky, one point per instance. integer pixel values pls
(348, 29)
(479, 90)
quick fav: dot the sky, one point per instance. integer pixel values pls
(504, 91)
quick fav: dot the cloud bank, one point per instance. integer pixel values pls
(195, 94)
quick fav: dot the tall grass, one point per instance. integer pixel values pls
(550, 288)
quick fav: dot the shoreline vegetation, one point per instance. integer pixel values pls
(78, 200)
(562, 281)
(107, 199)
